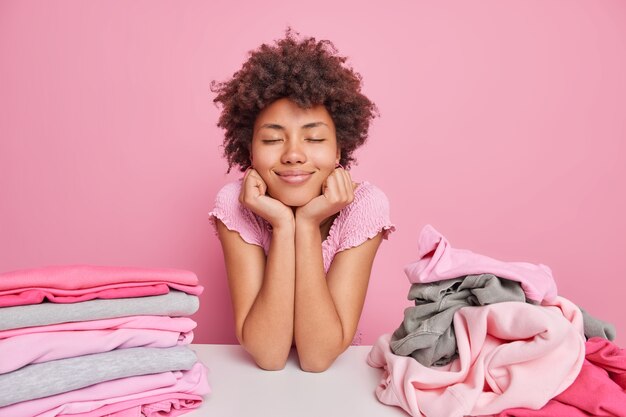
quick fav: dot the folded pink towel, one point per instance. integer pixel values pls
(511, 354)
(437, 261)
(19, 351)
(164, 405)
(136, 388)
(174, 324)
(75, 283)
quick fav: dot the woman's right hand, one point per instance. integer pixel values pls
(253, 196)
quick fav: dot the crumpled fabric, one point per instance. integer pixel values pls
(426, 333)
(599, 390)
(511, 354)
(595, 327)
(437, 260)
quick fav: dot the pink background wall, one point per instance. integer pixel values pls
(503, 125)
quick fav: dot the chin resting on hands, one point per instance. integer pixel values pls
(253, 196)
(337, 192)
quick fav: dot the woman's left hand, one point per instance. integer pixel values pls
(337, 192)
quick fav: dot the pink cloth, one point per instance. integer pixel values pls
(164, 405)
(511, 354)
(437, 261)
(23, 350)
(75, 283)
(175, 324)
(89, 399)
(364, 218)
(599, 390)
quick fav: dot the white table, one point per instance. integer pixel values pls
(241, 389)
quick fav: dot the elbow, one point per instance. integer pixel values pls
(316, 363)
(268, 360)
(270, 363)
(267, 357)
(318, 360)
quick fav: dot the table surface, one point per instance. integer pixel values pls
(240, 388)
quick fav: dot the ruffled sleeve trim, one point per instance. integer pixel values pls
(363, 219)
(235, 217)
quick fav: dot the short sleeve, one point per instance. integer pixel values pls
(364, 218)
(236, 217)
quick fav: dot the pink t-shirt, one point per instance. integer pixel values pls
(364, 218)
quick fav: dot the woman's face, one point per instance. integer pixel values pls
(294, 150)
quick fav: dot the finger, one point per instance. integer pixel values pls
(343, 180)
(348, 177)
(348, 187)
(257, 177)
(342, 191)
(330, 191)
(325, 184)
(336, 192)
(246, 174)
(347, 181)
(255, 183)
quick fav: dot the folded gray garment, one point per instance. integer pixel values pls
(63, 375)
(597, 328)
(174, 303)
(427, 334)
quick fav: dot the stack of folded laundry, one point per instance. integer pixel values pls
(99, 341)
(487, 337)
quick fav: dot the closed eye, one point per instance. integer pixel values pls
(315, 140)
(270, 141)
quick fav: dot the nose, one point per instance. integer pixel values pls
(293, 153)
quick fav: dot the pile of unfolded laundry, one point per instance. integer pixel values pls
(487, 337)
(87, 341)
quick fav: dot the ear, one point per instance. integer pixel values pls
(338, 157)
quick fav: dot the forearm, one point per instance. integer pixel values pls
(318, 330)
(267, 332)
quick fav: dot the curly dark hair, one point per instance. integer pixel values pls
(306, 71)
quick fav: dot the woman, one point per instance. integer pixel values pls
(299, 236)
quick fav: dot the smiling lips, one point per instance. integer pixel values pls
(294, 177)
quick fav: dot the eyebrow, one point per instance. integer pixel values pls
(279, 127)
